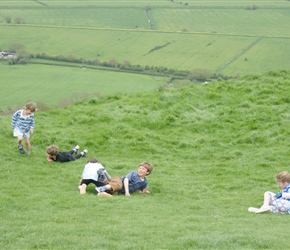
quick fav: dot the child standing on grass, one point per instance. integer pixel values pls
(134, 181)
(281, 201)
(53, 154)
(95, 173)
(23, 125)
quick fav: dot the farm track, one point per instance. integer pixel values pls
(239, 55)
(144, 31)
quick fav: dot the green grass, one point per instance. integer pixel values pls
(58, 85)
(201, 35)
(215, 149)
(264, 22)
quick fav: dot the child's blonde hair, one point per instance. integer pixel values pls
(146, 165)
(52, 150)
(283, 177)
(30, 106)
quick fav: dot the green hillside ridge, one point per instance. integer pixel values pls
(215, 149)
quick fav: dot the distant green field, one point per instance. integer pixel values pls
(137, 3)
(53, 85)
(226, 37)
(208, 35)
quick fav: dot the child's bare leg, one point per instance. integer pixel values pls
(266, 204)
(19, 140)
(27, 143)
(266, 199)
(83, 188)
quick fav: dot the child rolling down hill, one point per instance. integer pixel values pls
(53, 154)
(133, 181)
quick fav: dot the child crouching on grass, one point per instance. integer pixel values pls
(53, 154)
(95, 173)
(134, 181)
(280, 202)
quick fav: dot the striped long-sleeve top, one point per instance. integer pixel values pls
(23, 123)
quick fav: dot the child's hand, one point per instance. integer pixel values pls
(31, 132)
(278, 195)
(48, 159)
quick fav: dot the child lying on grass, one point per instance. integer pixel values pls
(134, 181)
(53, 154)
(281, 201)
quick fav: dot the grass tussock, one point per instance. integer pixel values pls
(215, 149)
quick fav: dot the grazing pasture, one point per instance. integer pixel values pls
(211, 35)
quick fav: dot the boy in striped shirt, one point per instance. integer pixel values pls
(23, 125)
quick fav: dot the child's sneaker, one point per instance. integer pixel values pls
(85, 151)
(97, 191)
(28, 152)
(21, 150)
(76, 148)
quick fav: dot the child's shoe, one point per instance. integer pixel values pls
(28, 152)
(84, 152)
(76, 148)
(21, 149)
(97, 190)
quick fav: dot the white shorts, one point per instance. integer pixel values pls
(17, 133)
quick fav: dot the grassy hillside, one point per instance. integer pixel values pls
(215, 149)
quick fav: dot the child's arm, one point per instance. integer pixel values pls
(32, 125)
(14, 119)
(286, 195)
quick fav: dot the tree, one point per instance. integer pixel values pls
(8, 19)
(113, 63)
(19, 20)
(200, 74)
(15, 47)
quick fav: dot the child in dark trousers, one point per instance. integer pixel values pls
(53, 154)
(93, 172)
